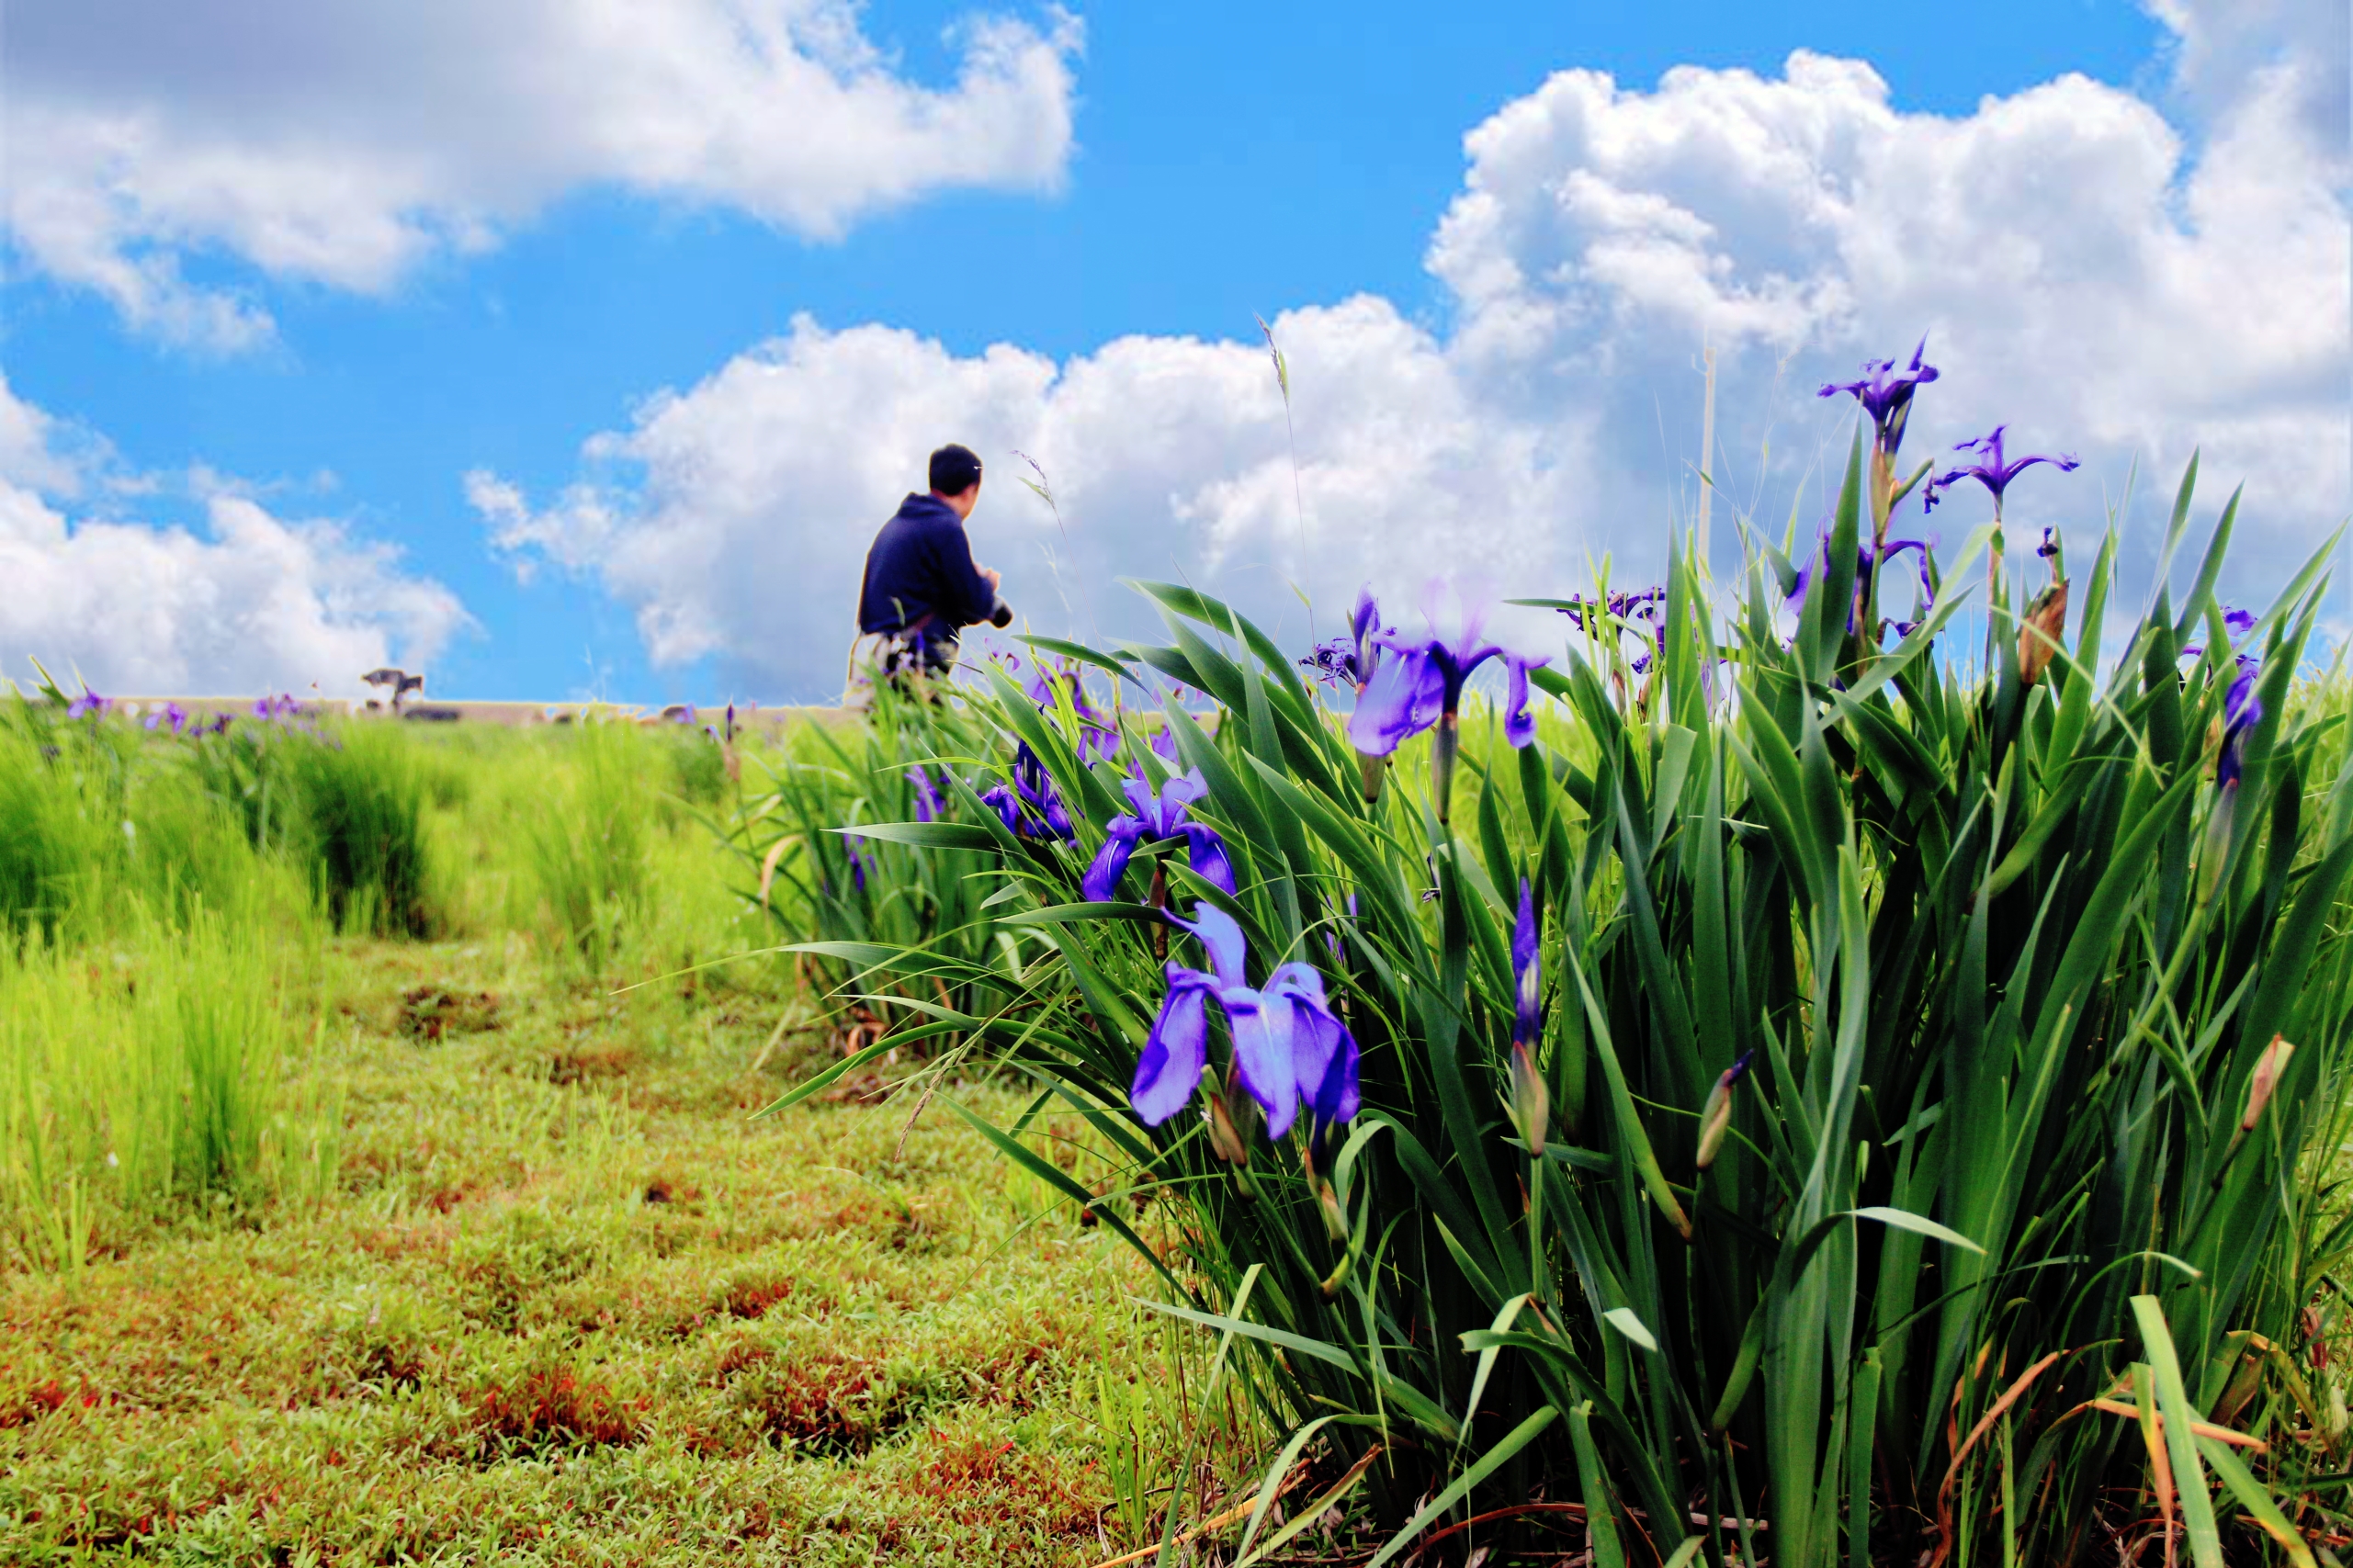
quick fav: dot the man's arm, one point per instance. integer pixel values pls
(967, 593)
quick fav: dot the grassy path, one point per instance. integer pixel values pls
(567, 1306)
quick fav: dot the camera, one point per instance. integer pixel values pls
(1001, 615)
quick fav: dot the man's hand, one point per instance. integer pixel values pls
(996, 579)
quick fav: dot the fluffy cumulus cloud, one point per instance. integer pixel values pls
(254, 604)
(342, 141)
(735, 517)
(2100, 276)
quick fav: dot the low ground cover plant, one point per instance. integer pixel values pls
(1850, 1097)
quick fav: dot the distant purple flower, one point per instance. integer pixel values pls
(1353, 658)
(1163, 743)
(1152, 820)
(927, 794)
(686, 715)
(1622, 610)
(1098, 730)
(2238, 622)
(1288, 1044)
(1989, 469)
(1032, 806)
(172, 715)
(89, 704)
(1424, 683)
(1886, 394)
(1811, 572)
(850, 842)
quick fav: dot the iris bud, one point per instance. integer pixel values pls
(1224, 1126)
(1335, 1216)
(1716, 1118)
(2037, 638)
(1531, 1101)
(2268, 1069)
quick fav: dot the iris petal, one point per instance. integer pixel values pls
(1387, 712)
(1176, 1051)
(1519, 724)
(1140, 796)
(1262, 1031)
(1206, 852)
(1110, 861)
(1220, 934)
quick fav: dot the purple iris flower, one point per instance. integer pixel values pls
(1163, 744)
(2238, 622)
(1622, 609)
(1990, 469)
(927, 794)
(2241, 709)
(1352, 658)
(1288, 1044)
(1865, 552)
(1424, 684)
(1031, 806)
(1886, 394)
(1098, 731)
(172, 715)
(279, 708)
(850, 842)
(1531, 1101)
(1527, 977)
(1153, 820)
(88, 704)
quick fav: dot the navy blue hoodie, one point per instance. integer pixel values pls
(921, 563)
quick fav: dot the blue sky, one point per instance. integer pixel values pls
(1222, 161)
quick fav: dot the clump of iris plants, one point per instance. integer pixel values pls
(1831, 1099)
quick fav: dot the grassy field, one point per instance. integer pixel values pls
(553, 1297)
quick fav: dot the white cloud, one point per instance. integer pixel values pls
(342, 141)
(735, 517)
(257, 603)
(2084, 274)
(2295, 51)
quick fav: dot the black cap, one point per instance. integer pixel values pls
(955, 469)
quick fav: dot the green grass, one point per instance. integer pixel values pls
(453, 1250)
(562, 1303)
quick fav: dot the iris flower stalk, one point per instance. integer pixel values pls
(1422, 687)
(1995, 472)
(1886, 394)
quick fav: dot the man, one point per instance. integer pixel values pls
(922, 587)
